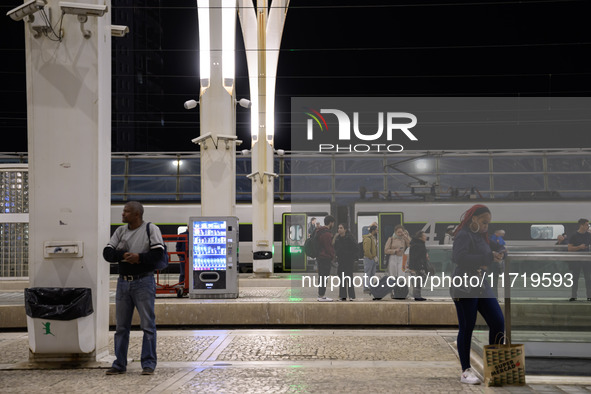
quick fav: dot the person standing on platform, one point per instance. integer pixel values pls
(472, 253)
(417, 262)
(448, 238)
(579, 242)
(136, 288)
(181, 246)
(326, 256)
(394, 249)
(370, 256)
(346, 251)
(311, 227)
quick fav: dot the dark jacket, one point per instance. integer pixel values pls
(325, 243)
(346, 248)
(471, 251)
(417, 255)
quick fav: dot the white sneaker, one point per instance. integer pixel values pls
(324, 299)
(469, 377)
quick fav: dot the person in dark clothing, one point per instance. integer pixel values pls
(579, 242)
(472, 253)
(326, 256)
(181, 247)
(346, 252)
(417, 262)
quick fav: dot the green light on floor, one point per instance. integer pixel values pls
(295, 299)
(295, 250)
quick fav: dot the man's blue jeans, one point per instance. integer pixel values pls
(139, 293)
(369, 268)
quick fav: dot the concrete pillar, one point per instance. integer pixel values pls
(69, 137)
(217, 108)
(262, 33)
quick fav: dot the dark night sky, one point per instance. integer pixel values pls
(355, 48)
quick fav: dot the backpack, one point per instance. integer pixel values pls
(312, 244)
(163, 262)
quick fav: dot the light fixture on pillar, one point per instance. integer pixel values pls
(83, 11)
(228, 46)
(190, 104)
(244, 103)
(204, 42)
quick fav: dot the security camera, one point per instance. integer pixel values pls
(83, 9)
(27, 9)
(280, 152)
(227, 137)
(119, 30)
(244, 103)
(201, 139)
(190, 104)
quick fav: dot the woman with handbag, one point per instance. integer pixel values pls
(394, 249)
(472, 253)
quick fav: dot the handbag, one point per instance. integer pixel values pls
(465, 290)
(430, 269)
(163, 262)
(504, 365)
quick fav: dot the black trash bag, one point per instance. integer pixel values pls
(58, 303)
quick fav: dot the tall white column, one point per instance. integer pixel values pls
(217, 112)
(262, 33)
(69, 138)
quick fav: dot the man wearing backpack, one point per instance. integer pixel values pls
(370, 255)
(137, 251)
(326, 255)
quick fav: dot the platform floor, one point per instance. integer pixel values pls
(271, 361)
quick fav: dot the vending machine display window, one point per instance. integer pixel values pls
(209, 246)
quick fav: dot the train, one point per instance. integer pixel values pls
(525, 222)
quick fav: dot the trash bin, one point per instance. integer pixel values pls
(60, 320)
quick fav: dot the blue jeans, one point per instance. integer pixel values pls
(323, 274)
(369, 268)
(182, 268)
(140, 294)
(491, 312)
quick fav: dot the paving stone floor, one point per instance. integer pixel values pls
(271, 361)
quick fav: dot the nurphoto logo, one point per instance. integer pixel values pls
(388, 122)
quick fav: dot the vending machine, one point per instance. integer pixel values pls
(213, 242)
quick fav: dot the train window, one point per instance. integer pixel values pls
(546, 231)
(296, 233)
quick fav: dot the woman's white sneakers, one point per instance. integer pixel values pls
(469, 377)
